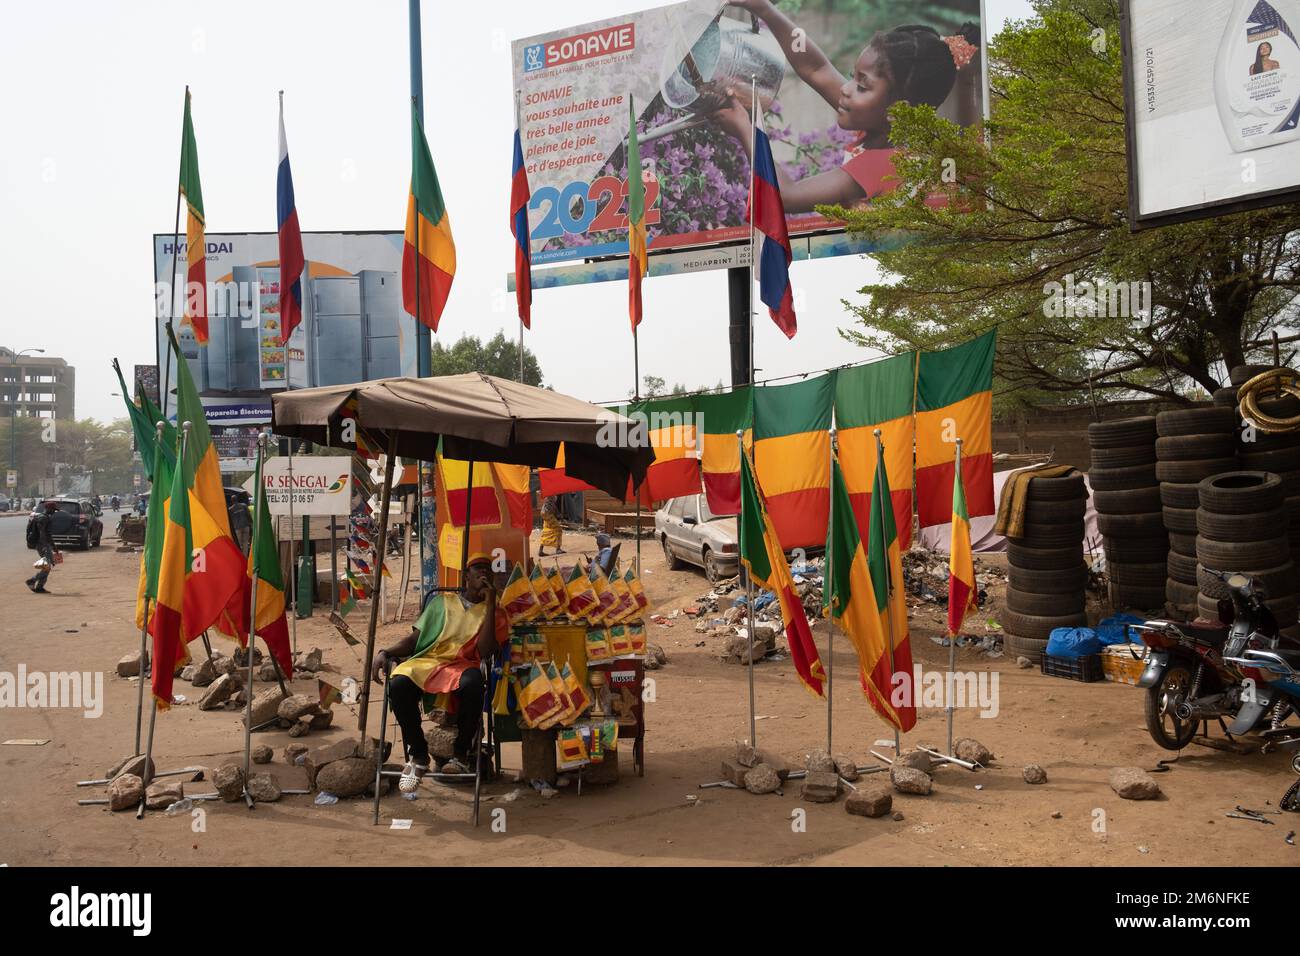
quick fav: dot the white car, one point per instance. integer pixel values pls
(691, 534)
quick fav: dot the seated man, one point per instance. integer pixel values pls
(604, 554)
(442, 655)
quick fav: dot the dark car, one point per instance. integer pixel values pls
(75, 524)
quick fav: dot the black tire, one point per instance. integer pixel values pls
(1239, 375)
(1233, 555)
(84, 543)
(1275, 582)
(1180, 595)
(1123, 457)
(711, 570)
(98, 538)
(1263, 441)
(1182, 568)
(1276, 460)
(1141, 599)
(1064, 488)
(1047, 582)
(1240, 527)
(1179, 495)
(1039, 513)
(1164, 726)
(1134, 501)
(673, 562)
(1150, 575)
(1122, 479)
(1195, 447)
(1027, 602)
(1202, 420)
(1197, 470)
(1132, 526)
(1226, 397)
(1043, 559)
(1136, 550)
(1179, 520)
(1240, 492)
(1013, 645)
(1038, 625)
(1122, 433)
(1053, 535)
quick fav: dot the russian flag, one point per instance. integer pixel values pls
(768, 216)
(291, 257)
(519, 196)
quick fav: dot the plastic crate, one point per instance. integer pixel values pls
(1086, 669)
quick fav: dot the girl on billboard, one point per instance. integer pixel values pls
(912, 64)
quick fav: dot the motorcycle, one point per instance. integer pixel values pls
(1190, 676)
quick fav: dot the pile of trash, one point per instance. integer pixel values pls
(724, 615)
(925, 576)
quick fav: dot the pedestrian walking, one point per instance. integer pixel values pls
(44, 544)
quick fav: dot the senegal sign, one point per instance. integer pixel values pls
(318, 486)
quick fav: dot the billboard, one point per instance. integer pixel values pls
(824, 83)
(353, 329)
(1212, 91)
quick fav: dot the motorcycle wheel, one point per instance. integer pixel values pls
(1165, 728)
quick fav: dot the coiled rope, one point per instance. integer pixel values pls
(1264, 386)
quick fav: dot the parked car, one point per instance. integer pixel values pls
(75, 524)
(691, 534)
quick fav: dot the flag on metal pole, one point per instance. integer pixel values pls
(428, 236)
(767, 213)
(291, 256)
(196, 295)
(637, 262)
(519, 196)
(963, 595)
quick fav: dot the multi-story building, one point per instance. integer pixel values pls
(41, 386)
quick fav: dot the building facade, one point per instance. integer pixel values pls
(40, 386)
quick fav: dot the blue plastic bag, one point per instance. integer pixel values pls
(1116, 630)
(1073, 642)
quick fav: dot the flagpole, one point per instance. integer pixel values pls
(252, 612)
(889, 617)
(753, 259)
(146, 772)
(176, 241)
(830, 618)
(144, 628)
(952, 638)
(293, 569)
(749, 611)
(636, 341)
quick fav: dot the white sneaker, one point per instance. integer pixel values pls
(409, 781)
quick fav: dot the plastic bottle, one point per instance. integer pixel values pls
(179, 807)
(1257, 74)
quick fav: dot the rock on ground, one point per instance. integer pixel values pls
(441, 741)
(909, 780)
(321, 757)
(916, 760)
(133, 764)
(348, 777)
(846, 767)
(321, 721)
(294, 707)
(262, 754)
(972, 750)
(311, 660)
(229, 781)
(293, 752)
(1024, 663)
(875, 802)
(762, 779)
(129, 665)
(266, 705)
(1035, 774)
(125, 791)
(219, 691)
(161, 795)
(821, 786)
(264, 788)
(819, 761)
(1134, 783)
(205, 672)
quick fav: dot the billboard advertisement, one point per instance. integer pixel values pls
(1213, 96)
(353, 327)
(824, 84)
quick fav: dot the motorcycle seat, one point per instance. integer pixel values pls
(1214, 633)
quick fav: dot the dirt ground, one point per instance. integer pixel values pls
(1078, 732)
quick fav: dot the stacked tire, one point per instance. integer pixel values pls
(1192, 444)
(1126, 495)
(1241, 524)
(1046, 576)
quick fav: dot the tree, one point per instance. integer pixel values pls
(1045, 201)
(499, 357)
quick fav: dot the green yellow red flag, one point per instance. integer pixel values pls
(963, 596)
(196, 276)
(638, 263)
(885, 563)
(429, 252)
(270, 623)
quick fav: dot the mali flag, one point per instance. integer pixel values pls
(962, 593)
(517, 598)
(954, 399)
(851, 597)
(762, 556)
(868, 397)
(638, 592)
(719, 417)
(541, 585)
(200, 579)
(270, 624)
(581, 597)
(429, 254)
(792, 454)
(164, 467)
(885, 561)
(637, 262)
(202, 467)
(196, 277)
(670, 427)
(606, 599)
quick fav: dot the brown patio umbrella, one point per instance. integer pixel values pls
(478, 418)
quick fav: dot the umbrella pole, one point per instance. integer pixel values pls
(378, 581)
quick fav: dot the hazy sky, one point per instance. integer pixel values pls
(90, 115)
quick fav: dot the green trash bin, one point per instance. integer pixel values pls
(306, 584)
